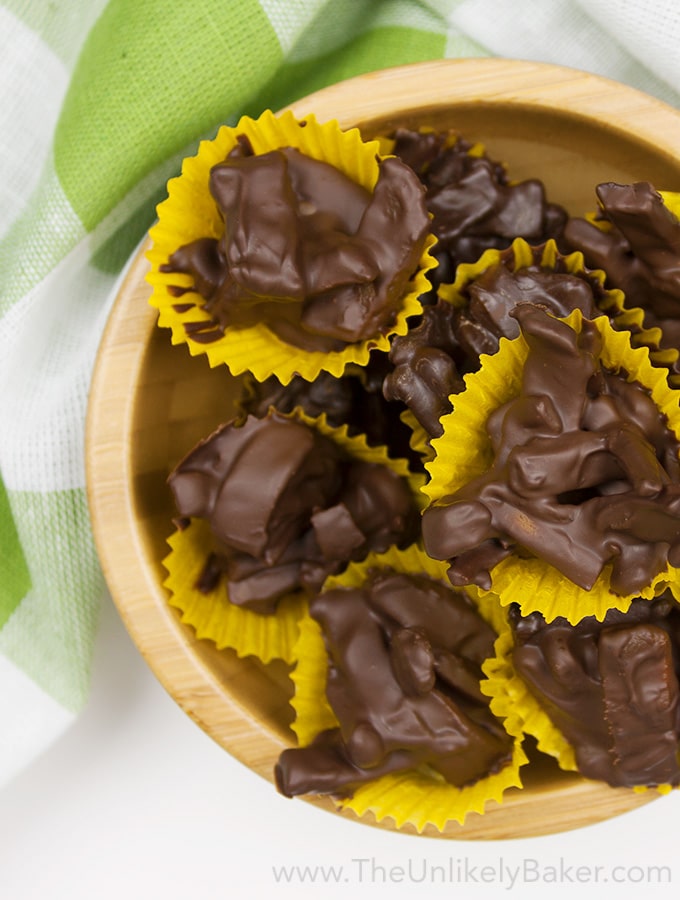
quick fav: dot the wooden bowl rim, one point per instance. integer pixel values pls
(141, 599)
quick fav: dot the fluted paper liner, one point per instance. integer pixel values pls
(612, 303)
(417, 797)
(512, 701)
(632, 319)
(672, 200)
(419, 439)
(190, 213)
(464, 452)
(521, 255)
(212, 615)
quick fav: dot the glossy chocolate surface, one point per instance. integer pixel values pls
(355, 399)
(322, 261)
(431, 358)
(640, 252)
(610, 687)
(404, 658)
(585, 473)
(473, 203)
(425, 372)
(287, 506)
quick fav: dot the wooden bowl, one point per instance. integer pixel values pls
(151, 402)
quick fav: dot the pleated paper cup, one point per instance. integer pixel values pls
(512, 701)
(464, 452)
(212, 615)
(611, 302)
(418, 797)
(522, 255)
(190, 213)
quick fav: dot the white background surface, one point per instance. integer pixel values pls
(135, 801)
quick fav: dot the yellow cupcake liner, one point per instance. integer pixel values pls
(212, 615)
(671, 200)
(464, 452)
(521, 255)
(611, 302)
(632, 319)
(419, 439)
(189, 213)
(512, 701)
(357, 446)
(418, 797)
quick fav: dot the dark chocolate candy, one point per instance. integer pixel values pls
(287, 507)
(431, 358)
(640, 252)
(355, 399)
(404, 656)
(322, 261)
(474, 206)
(585, 473)
(425, 373)
(610, 687)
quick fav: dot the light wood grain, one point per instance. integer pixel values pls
(150, 402)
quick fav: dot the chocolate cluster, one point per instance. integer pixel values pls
(639, 250)
(585, 473)
(288, 507)
(318, 258)
(431, 360)
(610, 687)
(417, 703)
(474, 205)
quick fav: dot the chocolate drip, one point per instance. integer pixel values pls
(287, 507)
(585, 473)
(319, 259)
(418, 702)
(610, 687)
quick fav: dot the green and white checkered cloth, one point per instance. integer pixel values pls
(100, 101)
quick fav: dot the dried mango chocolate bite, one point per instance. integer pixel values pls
(610, 688)
(475, 312)
(474, 204)
(636, 242)
(320, 259)
(404, 666)
(287, 505)
(582, 472)
(289, 247)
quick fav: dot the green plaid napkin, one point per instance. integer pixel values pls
(100, 101)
